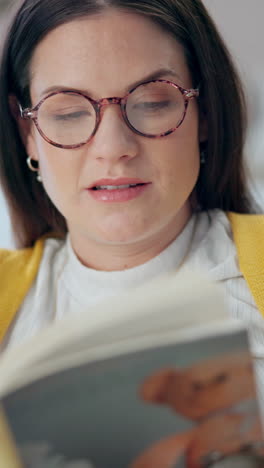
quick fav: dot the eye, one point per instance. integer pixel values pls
(72, 115)
(152, 105)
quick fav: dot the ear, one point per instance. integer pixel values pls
(155, 387)
(25, 128)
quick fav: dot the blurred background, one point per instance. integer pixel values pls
(241, 25)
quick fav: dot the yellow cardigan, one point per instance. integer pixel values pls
(18, 268)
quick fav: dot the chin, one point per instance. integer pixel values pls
(121, 236)
(121, 230)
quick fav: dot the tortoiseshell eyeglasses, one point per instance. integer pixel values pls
(69, 119)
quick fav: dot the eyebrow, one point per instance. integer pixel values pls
(158, 74)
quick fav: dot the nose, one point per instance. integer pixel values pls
(113, 140)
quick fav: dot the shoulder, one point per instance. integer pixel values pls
(19, 271)
(248, 233)
(21, 257)
(247, 228)
(232, 250)
(27, 259)
(53, 256)
(19, 268)
(46, 241)
(214, 245)
(231, 240)
(233, 234)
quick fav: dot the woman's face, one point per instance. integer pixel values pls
(104, 56)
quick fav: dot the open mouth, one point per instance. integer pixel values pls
(116, 187)
(119, 190)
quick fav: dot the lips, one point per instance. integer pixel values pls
(114, 187)
(117, 190)
(116, 184)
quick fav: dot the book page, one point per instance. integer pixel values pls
(160, 407)
(172, 304)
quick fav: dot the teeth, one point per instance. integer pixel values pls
(114, 187)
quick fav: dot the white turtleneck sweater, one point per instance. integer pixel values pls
(64, 286)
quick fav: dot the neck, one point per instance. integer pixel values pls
(117, 257)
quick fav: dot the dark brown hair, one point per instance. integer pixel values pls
(221, 182)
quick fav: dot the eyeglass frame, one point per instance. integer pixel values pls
(32, 113)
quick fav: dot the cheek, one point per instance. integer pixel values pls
(178, 155)
(55, 163)
(59, 172)
(177, 163)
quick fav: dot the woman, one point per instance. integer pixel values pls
(122, 126)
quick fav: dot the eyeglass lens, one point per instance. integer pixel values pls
(151, 109)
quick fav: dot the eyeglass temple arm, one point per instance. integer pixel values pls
(191, 93)
(25, 113)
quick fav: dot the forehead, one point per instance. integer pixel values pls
(105, 53)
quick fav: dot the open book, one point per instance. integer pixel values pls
(157, 378)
